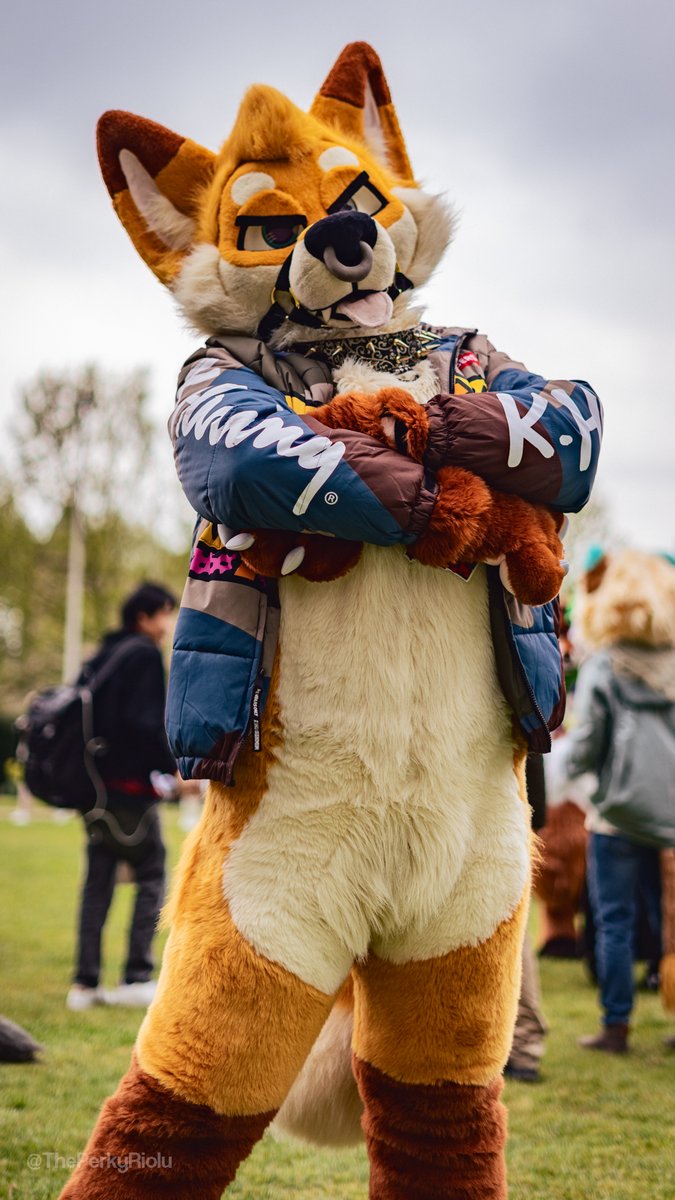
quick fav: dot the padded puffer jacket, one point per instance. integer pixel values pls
(249, 455)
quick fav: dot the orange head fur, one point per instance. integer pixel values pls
(634, 602)
(319, 209)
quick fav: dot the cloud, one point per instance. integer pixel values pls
(549, 125)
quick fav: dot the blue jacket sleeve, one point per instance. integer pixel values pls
(247, 460)
(537, 438)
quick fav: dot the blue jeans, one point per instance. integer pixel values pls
(618, 870)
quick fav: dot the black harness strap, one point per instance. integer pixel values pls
(292, 310)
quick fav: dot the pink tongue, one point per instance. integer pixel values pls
(371, 311)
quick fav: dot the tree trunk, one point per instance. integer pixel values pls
(72, 642)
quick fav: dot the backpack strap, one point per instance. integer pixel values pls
(100, 811)
(109, 665)
(92, 684)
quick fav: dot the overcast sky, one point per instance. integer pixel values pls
(550, 125)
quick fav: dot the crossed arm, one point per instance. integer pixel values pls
(249, 462)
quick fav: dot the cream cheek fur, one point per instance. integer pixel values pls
(213, 295)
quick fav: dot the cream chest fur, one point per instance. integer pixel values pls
(379, 660)
(392, 808)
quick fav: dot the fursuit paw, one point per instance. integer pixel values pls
(473, 523)
(275, 552)
(390, 415)
(523, 540)
(533, 575)
(458, 522)
(327, 558)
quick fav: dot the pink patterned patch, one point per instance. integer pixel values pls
(216, 562)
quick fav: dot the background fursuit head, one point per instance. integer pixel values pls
(347, 917)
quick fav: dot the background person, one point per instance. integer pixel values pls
(129, 714)
(625, 735)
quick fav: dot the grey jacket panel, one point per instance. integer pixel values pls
(626, 736)
(589, 742)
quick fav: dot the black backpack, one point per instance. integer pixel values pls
(58, 745)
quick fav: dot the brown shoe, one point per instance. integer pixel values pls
(613, 1039)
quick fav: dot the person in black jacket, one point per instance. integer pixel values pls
(125, 827)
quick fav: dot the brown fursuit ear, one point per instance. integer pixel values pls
(155, 179)
(355, 99)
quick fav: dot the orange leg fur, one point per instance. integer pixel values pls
(222, 1042)
(430, 1041)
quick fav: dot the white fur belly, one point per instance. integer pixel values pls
(392, 665)
(392, 816)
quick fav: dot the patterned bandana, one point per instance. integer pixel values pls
(395, 352)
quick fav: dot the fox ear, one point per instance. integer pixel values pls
(155, 179)
(356, 99)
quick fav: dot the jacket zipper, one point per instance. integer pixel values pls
(256, 728)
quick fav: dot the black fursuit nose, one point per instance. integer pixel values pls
(344, 232)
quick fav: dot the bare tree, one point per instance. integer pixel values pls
(593, 526)
(84, 441)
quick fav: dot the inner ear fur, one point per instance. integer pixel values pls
(355, 99)
(158, 195)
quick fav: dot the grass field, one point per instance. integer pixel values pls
(596, 1127)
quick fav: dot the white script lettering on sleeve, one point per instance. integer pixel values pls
(584, 426)
(205, 414)
(521, 427)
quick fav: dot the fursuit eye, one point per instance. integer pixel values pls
(367, 199)
(277, 233)
(280, 234)
(361, 196)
